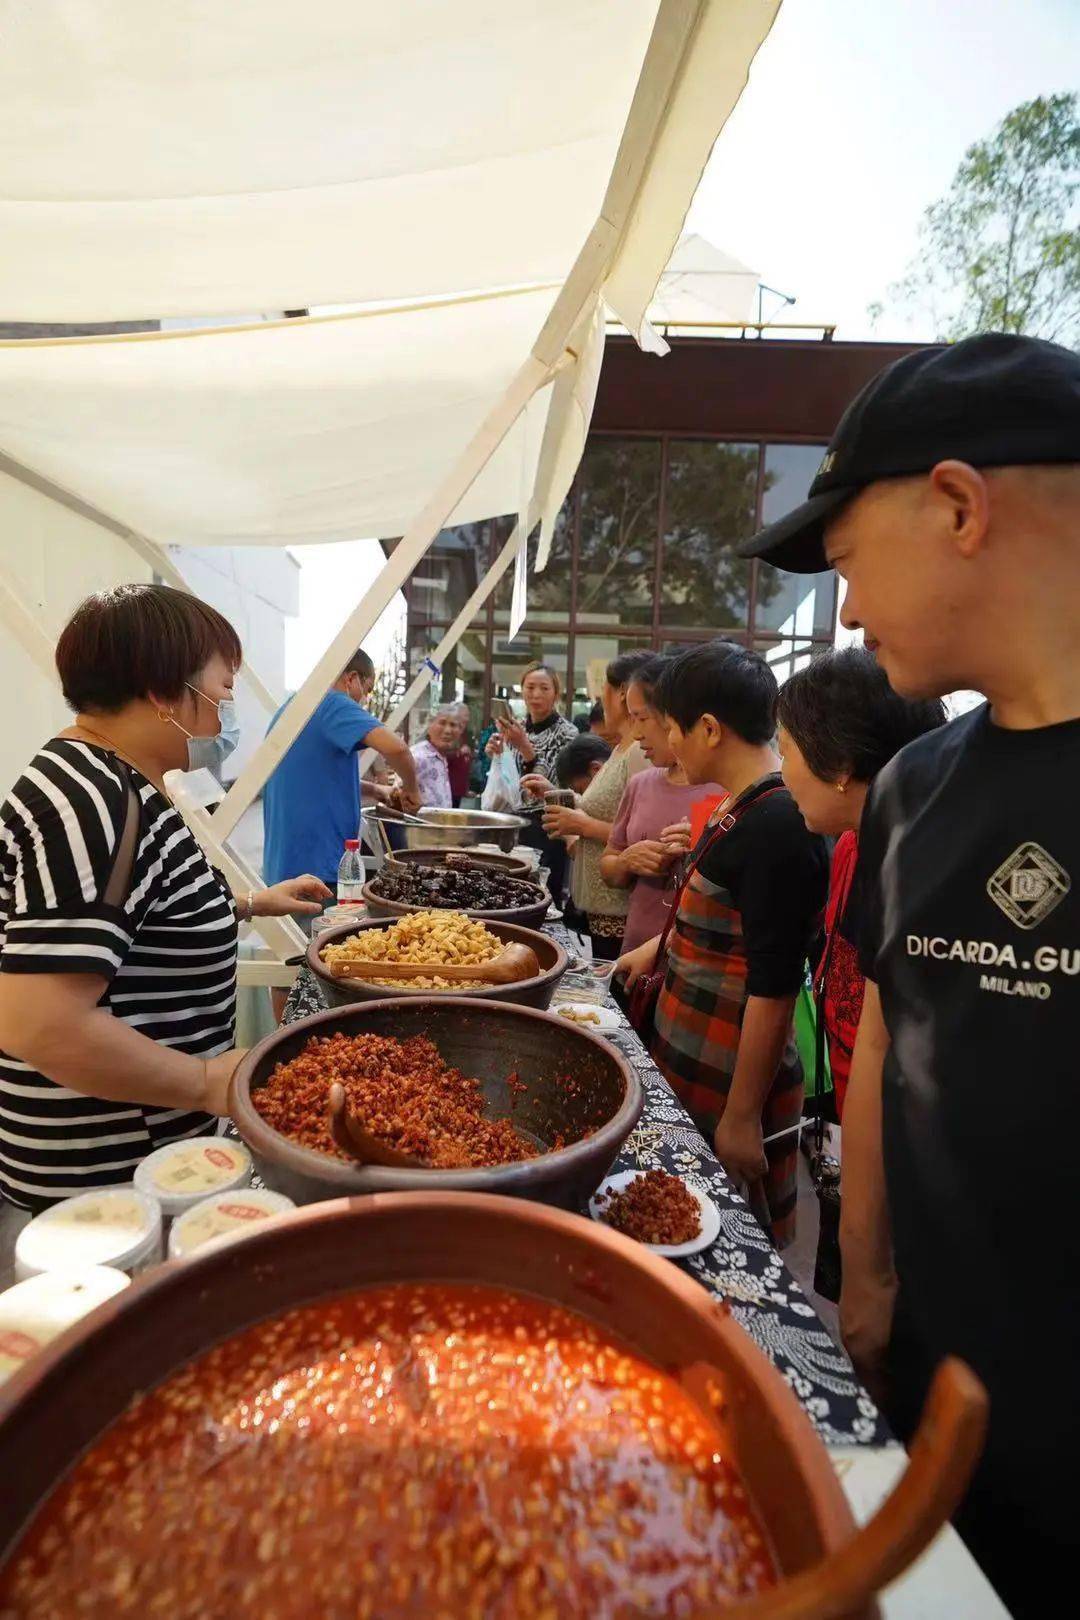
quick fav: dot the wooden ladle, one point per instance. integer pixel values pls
(353, 1139)
(516, 961)
(944, 1452)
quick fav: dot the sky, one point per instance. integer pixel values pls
(855, 117)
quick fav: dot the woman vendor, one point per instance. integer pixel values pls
(118, 953)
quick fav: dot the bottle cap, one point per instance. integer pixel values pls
(352, 843)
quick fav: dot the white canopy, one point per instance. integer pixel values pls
(279, 433)
(207, 156)
(510, 168)
(703, 285)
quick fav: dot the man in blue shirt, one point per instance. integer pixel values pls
(311, 804)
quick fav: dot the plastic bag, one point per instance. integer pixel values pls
(502, 790)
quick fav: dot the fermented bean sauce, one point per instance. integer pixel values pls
(403, 1451)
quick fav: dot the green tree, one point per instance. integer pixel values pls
(1001, 250)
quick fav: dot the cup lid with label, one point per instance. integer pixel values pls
(111, 1226)
(224, 1215)
(183, 1173)
(36, 1311)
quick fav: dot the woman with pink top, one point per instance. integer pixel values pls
(636, 856)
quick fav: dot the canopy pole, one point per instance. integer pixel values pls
(671, 38)
(531, 376)
(449, 640)
(26, 629)
(154, 556)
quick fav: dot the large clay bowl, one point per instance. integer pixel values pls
(534, 992)
(525, 916)
(60, 1403)
(486, 1040)
(435, 855)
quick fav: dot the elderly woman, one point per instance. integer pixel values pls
(432, 757)
(536, 745)
(840, 723)
(118, 962)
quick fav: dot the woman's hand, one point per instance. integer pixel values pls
(649, 857)
(677, 838)
(219, 1071)
(562, 822)
(494, 745)
(739, 1146)
(537, 785)
(295, 897)
(514, 733)
(632, 964)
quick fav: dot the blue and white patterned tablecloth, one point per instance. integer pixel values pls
(742, 1266)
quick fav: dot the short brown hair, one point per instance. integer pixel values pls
(123, 644)
(538, 667)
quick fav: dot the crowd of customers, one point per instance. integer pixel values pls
(927, 874)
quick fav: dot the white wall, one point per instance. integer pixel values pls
(52, 559)
(257, 589)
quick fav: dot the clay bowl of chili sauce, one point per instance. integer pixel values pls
(534, 992)
(63, 1401)
(553, 1079)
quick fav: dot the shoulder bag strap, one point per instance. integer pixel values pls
(116, 889)
(722, 827)
(819, 1011)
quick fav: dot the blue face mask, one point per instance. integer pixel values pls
(210, 753)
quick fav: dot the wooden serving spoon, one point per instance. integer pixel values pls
(946, 1447)
(353, 1139)
(514, 962)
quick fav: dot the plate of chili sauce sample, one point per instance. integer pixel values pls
(710, 1215)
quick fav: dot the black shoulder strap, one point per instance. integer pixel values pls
(116, 890)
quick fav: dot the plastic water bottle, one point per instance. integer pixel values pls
(350, 875)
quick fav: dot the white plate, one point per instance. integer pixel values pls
(710, 1215)
(604, 1020)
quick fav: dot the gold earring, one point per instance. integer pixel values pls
(841, 787)
(165, 716)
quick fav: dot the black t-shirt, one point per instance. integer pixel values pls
(969, 853)
(777, 875)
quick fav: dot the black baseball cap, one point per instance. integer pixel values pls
(992, 401)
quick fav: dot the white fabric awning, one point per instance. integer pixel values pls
(524, 163)
(209, 156)
(281, 433)
(703, 285)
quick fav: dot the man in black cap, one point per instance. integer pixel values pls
(949, 501)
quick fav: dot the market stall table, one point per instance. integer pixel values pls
(744, 1269)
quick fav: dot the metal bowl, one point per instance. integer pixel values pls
(66, 1396)
(457, 829)
(534, 992)
(488, 1040)
(524, 916)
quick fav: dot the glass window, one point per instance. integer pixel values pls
(619, 491)
(547, 595)
(709, 505)
(592, 655)
(784, 658)
(792, 604)
(449, 572)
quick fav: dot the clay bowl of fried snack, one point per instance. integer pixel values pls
(339, 958)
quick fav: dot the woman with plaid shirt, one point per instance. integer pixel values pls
(746, 920)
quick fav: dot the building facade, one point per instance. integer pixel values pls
(687, 456)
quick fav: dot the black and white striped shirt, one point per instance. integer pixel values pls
(168, 954)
